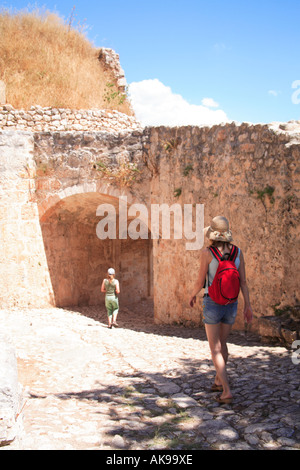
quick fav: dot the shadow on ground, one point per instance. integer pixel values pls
(143, 418)
(140, 317)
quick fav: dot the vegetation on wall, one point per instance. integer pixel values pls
(124, 175)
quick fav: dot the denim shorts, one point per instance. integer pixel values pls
(214, 313)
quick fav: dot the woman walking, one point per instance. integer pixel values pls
(219, 316)
(111, 288)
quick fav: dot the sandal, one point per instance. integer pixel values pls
(223, 401)
(216, 388)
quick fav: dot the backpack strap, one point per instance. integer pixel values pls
(233, 254)
(229, 256)
(216, 253)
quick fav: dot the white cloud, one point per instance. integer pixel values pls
(210, 103)
(156, 105)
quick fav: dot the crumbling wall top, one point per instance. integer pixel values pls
(39, 119)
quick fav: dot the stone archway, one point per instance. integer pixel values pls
(78, 260)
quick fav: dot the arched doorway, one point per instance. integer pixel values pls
(78, 260)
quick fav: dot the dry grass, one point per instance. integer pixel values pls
(48, 63)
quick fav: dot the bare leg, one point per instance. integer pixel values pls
(115, 314)
(217, 335)
(224, 333)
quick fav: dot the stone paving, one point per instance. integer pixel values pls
(144, 386)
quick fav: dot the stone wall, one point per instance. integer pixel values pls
(53, 182)
(250, 174)
(39, 119)
(24, 276)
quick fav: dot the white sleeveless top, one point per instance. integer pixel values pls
(212, 269)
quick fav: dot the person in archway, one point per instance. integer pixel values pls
(219, 315)
(111, 287)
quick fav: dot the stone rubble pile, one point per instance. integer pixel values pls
(39, 119)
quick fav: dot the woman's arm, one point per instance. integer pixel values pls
(117, 287)
(205, 258)
(103, 286)
(248, 314)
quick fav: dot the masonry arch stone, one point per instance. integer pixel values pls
(104, 190)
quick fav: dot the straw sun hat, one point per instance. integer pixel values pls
(219, 230)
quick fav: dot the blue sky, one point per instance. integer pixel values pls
(211, 60)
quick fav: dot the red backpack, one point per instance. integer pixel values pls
(225, 287)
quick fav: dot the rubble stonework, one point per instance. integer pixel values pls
(39, 119)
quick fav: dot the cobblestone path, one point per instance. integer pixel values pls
(144, 386)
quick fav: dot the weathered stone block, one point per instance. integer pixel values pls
(289, 336)
(279, 328)
(270, 327)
